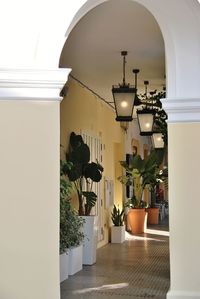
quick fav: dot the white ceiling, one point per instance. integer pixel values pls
(93, 49)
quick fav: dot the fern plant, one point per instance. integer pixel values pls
(117, 216)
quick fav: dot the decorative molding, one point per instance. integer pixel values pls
(32, 84)
(182, 110)
(183, 295)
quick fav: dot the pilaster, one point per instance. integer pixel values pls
(30, 176)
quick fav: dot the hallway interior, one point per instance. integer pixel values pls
(138, 268)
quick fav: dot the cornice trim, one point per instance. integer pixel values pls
(32, 84)
(182, 110)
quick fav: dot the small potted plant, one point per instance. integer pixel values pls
(118, 228)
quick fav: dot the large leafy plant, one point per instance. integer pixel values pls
(82, 173)
(141, 173)
(71, 234)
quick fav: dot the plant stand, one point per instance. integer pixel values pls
(117, 234)
(90, 230)
(75, 259)
(64, 266)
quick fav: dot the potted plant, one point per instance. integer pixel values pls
(83, 174)
(71, 236)
(139, 173)
(152, 178)
(118, 228)
(153, 211)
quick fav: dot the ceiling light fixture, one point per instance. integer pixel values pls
(124, 96)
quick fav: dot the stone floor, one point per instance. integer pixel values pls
(138, 268)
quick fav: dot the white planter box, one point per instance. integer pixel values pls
(90, 230)
(117, 234)
(64, 266)
(75, 259)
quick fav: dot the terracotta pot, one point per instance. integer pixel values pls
(136, 220)
(153, 214)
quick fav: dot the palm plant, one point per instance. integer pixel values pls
(141, 173)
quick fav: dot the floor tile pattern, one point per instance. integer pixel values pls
(138, 268)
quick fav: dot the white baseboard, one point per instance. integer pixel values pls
(183, 295)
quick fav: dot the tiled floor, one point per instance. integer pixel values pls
(138, 268)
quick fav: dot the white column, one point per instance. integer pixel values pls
(184, 196)
(29, 183)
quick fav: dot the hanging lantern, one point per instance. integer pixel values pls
(124, 96)
(157, 140)
(146, 117)
(145, 120)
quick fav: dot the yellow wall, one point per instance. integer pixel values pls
(81, 110)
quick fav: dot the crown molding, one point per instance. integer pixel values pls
(32, 84)
(182, 110)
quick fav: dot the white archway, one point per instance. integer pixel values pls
(182, 105)
(179, 21)
(32, 36)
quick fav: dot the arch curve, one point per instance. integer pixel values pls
(182, 59)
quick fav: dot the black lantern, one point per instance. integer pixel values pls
(157, 140)
(146, 116)
(124, 96)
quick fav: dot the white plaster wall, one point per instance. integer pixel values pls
(33, 32)
(29, 196)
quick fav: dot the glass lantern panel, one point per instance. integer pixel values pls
(157, 140)
(145, 122)
(124, 103)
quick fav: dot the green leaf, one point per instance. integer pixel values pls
(117, 216)
(75, 140)
(75, 172)
(92, 171)
(137, 162)
(80, 154)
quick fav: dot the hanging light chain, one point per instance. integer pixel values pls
(124, 53)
